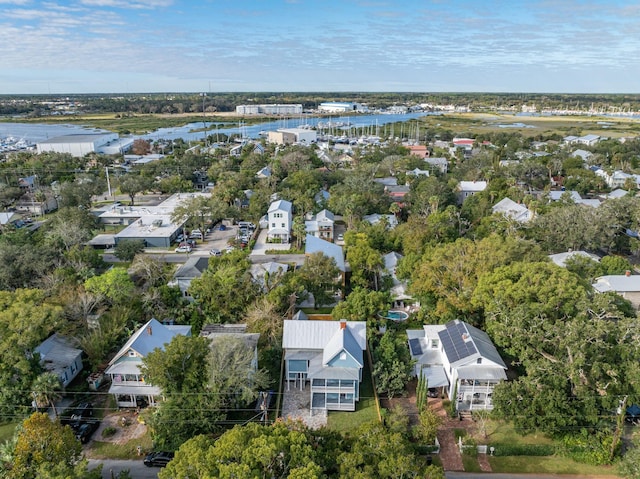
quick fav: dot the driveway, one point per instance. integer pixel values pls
(261, 246)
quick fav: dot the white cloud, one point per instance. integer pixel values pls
(136, 4)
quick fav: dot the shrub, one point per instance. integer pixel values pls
(588, 448)
(109, 431)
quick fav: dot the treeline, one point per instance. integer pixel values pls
(195, 102)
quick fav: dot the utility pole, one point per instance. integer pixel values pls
(204, 122)
(106, 169)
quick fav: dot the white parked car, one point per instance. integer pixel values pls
(215, 252)
(183, 249)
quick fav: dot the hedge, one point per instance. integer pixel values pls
(523, 449)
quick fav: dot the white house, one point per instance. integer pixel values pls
(375, 218)
(327, 357)
(460, 359)
(321, 225)
(469, 188)
(128, 385)
(512, 210)
(280, 219)
(58, 356)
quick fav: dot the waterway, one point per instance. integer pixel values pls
(37, 132)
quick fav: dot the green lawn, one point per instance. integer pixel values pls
(549, 465)
(501, 432)
(109, 450)
(7, 431)
(366, 410)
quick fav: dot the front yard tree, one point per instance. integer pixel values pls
(365, 261)
(575, 347)
(231, 372)
(114, 285)
(393, 366)
(45, 448)
(319, 276)
(133, 184)
(47, 389)
(225, 289)
(362, 304)
(126, 250)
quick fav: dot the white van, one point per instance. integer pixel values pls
(246, 224)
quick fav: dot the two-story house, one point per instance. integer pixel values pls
(321, 225)
(460, 359)
(280, 219)
(128, 385)
(327, 356)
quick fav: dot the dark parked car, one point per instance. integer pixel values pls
(85, 430)
(158, 459)
(81, 412)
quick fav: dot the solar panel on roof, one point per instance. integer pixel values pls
(414, 345)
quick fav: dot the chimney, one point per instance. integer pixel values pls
(627, 273)
(343, 325)
(149, 331)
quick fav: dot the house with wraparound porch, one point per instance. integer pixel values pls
(128, 385)
(460, 360)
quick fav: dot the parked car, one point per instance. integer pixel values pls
(340, 237)
(222, 227)
(85, 430)
(180, 237)
(215, 252)
(183, 249)
(158, 459)
(82, 411)
(196, 235)
(230, 248)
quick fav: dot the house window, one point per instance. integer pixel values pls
(479, 361)
(131, 353)
(434, 344)
(282, 225)
(273, 225)
(343, 356)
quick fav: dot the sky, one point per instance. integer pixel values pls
(123, 46)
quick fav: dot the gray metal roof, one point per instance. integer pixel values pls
(331, 250)
(314, 334)
(342, 340)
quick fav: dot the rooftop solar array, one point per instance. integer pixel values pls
(414, 345)
(452, 338)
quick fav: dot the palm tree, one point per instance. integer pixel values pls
(47, 389)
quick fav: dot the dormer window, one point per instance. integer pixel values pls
(434, 344)
(343, 356)
(131, 353)
(479, 361)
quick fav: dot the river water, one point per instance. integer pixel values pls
(34, 133)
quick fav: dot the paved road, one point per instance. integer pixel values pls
(136, 469)
(484, 475)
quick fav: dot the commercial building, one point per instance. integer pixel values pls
(79, 145)
(288, 136)
(277, 109)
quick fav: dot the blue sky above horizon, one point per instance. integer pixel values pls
(88, 46)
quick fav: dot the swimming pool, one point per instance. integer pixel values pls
(394, 315)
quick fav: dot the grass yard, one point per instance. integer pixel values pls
(109, 450)
(500, 432)
(366, 409)
(7, 430)
(548, 465)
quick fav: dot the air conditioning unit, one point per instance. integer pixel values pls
(157, 223)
